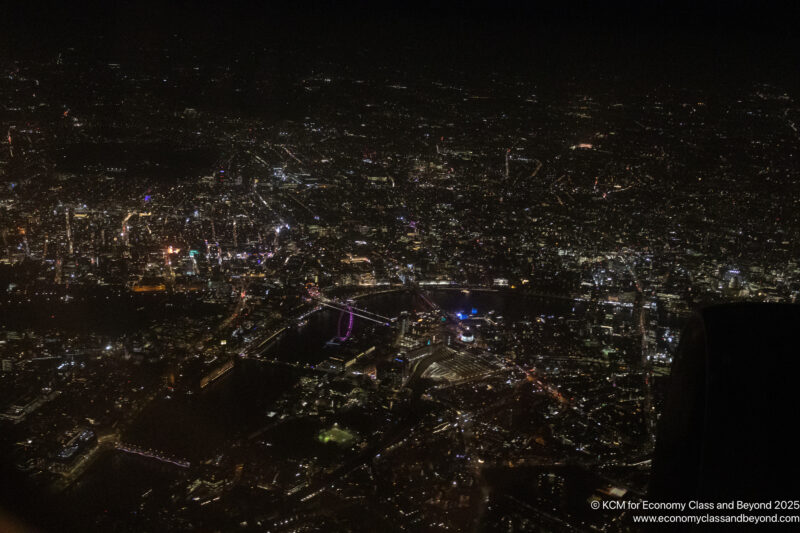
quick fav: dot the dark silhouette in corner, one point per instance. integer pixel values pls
(727, 431)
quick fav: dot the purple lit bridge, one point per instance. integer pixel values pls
(347, 313)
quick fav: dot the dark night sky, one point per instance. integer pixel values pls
(640, 39)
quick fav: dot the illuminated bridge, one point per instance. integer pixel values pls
(152, 454)
(348, 312)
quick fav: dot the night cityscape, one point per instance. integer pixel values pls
(297, 270)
